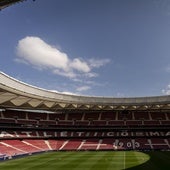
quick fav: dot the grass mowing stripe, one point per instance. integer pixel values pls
(124, 159)
(88, 162)
(117, 161)
(135, 158)
(48, 162)
(30, 161)
(100, 162)
(91, 161)
(73, 161)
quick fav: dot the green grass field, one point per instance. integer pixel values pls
(116, 160)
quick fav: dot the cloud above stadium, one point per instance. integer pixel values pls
(83, 88)
(41, 55)
(166, 91)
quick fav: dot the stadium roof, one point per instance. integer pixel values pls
(16, 94)
(6, 3)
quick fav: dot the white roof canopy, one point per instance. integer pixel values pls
(16, 94)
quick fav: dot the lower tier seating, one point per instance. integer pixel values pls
(28, 146)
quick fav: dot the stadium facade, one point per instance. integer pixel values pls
(35, 120)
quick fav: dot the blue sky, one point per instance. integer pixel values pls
(115, 48)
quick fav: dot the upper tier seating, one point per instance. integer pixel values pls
(125, 116)
(158, 116)
(47, 122)
(168, 116)
(37, 116)
(98, 123)
(116, 123)
(7, 120)
(151, 122)
(141, 116)
(75, 116)
(133, 122)
(108, 116)
(165, 122)
(27, 122)
(91, 116)
(14, 114)
(63, 122)
(81, 123)
(60, 116)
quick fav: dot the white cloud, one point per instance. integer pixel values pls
(166, 91)
(96, 63)
(34, 51)
(120, 94)
(80, 65)
(167, 69)
(83, 88)
(69, 74)
(91, 74)
(64, 92)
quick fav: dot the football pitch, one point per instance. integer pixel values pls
(91, 160)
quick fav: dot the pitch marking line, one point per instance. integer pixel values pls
(124, 160)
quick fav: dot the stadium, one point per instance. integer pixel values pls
(34, 120)
(43, 129)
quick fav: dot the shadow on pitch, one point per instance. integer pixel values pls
(158, 161)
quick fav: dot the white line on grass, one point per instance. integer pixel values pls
(124, 160)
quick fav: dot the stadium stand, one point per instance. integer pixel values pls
(74, 134)
(29, 128)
